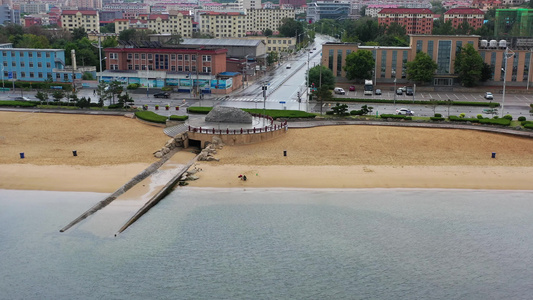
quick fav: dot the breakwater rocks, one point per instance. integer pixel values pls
(178, 141)
(208, 152)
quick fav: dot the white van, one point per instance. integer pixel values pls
(288, 66)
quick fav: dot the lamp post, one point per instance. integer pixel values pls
(529, 68)
(506, 56)
(3, 87)
(376, 66)
(394, 92)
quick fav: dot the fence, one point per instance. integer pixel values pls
(227, 131)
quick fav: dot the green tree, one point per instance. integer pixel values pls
(422, 68)
(486, 72)
(290, 28)
(325, 77)
(33, 41)
(359, 65)
(340, 109)
(267, 32)
(125, 100)
(58, 95)
(108, 28)
(126, 34)
(443, 28)
(115, 88)
(103, 93)
(79, 33)
(42, 96)
(322, 94)
(272, 57)
(367, 29)
(468, 65)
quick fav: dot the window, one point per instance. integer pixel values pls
(47, 54)
(48, 65)
(31, 74)
(458, 47)
(206, 57)
(193, 57)
(143, 56)
(136, 67)
(143, 67)
(515, 66)
(339, 62)
(443, 57)
(136, 55)
(39, 54)
(383, 63)
(173, 68)
(206, 69)
(130, 67)
(30, 54)
(418, 46)
(39, 65)
(130, 56)
(31, 64)
(150, 56)
(173, 57)
(186, 57)
(180, 68)
(430, 49)
(65, 77)
(22, 64)
(180, 57)
(40, 75)
(113, 55)
(330, 63)
(23, 74)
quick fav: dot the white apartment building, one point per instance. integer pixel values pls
(87, 19)
(34, 8)
(257, 20)
(180, 22)
(222, 24)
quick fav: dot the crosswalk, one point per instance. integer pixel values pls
(258, 100)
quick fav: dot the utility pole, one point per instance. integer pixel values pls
(394, 92)
(265, 87)
(506, 56)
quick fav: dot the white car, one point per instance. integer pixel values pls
(339, 91)
(405, 111)
(21, 98)
(489, 96)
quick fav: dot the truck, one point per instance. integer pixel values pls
(369, 87)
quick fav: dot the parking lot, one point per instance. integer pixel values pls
(454, 96)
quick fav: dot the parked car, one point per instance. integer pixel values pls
(399, 91)
(409, 91)
(405, 111)
(377, 92)
(352, 88)
(21, 98)
(314, 48)
(489, 96)
(339, 91)
(162, 95)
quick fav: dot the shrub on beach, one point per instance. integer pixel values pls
(150, 116)
(508, 117)
(438, 116)
(521, 118)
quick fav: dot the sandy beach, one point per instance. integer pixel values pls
(111, 150)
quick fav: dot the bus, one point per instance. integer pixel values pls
(369, 87)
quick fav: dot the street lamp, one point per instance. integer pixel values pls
(3, 87)
(529, 68)
(506, 56)
(394, 92)
(376, 66)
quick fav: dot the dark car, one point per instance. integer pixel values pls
(162, 95)
(409, 91)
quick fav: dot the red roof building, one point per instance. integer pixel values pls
(415, 20)
(457, 16)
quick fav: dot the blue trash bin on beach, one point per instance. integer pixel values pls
(493, 154)
(21, 154)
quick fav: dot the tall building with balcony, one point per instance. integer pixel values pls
(9, 15)
(457, 16)
(87, 19)
(415, 20)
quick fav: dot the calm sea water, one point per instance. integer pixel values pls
(273, 244)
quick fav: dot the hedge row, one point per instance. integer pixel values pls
(274, 113)
(499, 121)
(150, 116)
(423, 102)
(437, 118)
(42, 85)
(18, 103)
(391, 116)
(178, 118)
